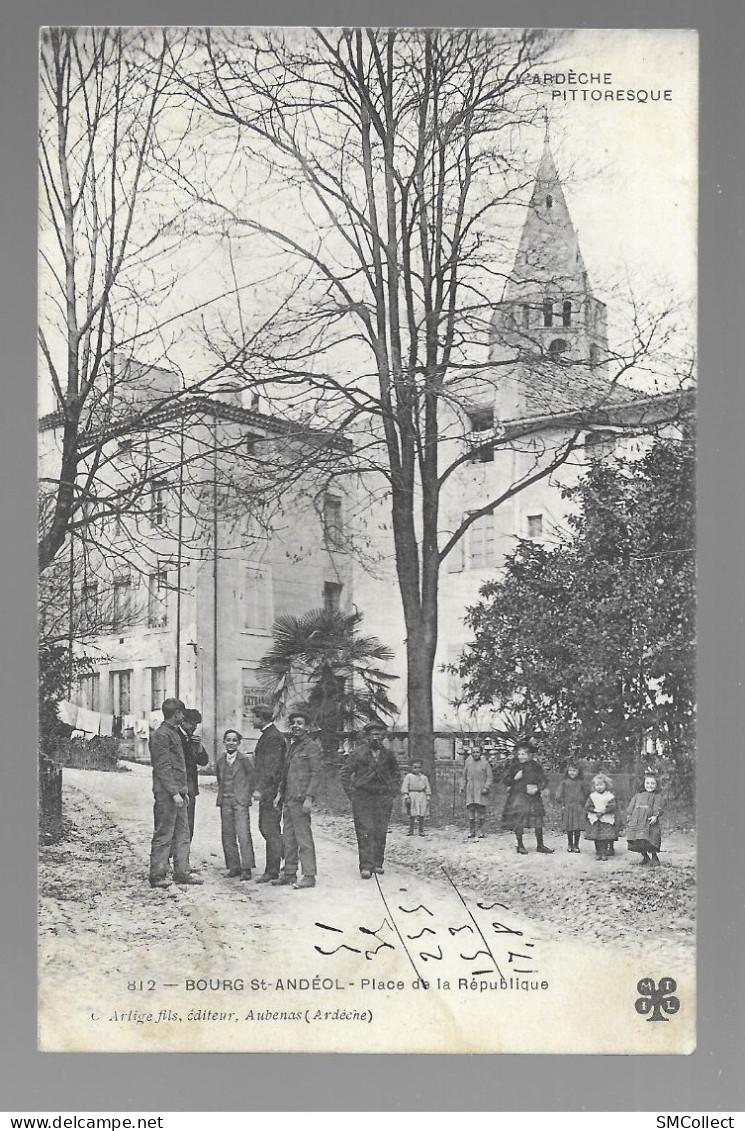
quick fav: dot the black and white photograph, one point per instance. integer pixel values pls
(367, 540)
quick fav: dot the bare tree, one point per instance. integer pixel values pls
(378, 167)
(114, 253)
(97, 139)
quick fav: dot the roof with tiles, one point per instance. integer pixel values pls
(553, 389)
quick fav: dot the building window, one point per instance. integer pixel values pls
(548, 313)
(332, 529)
(121, 690)
(566, 313)
(549, 201)
(122, 604)
(90, 607)
(526, 315)
(251, 444)
(593, 355)
(484, 454)
(482, 420)
(157, 598)
(557, 349)
(157, 688)
(89, 691)
(600, 444)
(257, 599)
(331, 596)
(158, 502)
(481, 542)
(535, 526)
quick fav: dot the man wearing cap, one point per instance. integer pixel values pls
(171, 792)
(371, 778)
(269, 758)
(301, 780)
(194, 756)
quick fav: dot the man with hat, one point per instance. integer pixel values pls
(171, 793)
(301, 779)
(194, 756)
(371, 778)
(269, 759)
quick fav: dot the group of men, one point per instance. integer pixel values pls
(287, 771)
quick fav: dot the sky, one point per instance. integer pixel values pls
(633, 195)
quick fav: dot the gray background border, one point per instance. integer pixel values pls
(712, 1078)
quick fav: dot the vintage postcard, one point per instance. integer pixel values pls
(367, 540)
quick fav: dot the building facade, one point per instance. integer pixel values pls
(177, 593)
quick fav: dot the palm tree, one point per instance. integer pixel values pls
(321, 657)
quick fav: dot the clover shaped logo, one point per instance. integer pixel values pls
(656, 999)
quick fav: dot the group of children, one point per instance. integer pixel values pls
(594, 809)
(591, 809)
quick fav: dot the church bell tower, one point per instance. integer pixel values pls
(548, 318)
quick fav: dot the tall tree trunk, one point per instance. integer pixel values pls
(420, 661)
(417, 569)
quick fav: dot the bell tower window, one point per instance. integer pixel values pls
(566, 313)
(549, 201)
(548, 313)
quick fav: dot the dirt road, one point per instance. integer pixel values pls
(116, 948)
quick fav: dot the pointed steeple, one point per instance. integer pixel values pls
(549, 254)
(548, 315)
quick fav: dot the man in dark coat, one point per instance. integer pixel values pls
(371, 778)
(171, 792)
(269, 759)
(301, 780)
(194, 756)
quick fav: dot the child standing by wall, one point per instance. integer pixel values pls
(477, 781)
(602, 819)
(572, 795)
(416, 792)
(235, 786)
(643, 815)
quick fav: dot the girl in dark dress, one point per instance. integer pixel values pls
(524, 806)
(572, 795)
(643, 821)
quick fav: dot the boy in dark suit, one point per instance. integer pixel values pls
(235, 786)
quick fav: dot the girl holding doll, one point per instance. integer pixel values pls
(601, 817)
